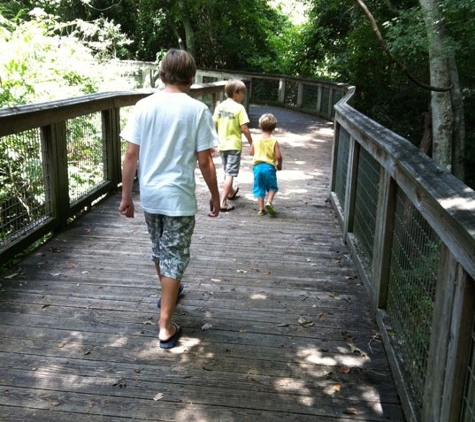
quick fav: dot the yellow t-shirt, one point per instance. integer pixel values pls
(264, 151)
(229, 116)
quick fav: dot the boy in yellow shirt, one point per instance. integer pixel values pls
(267, 158)
(231, 120)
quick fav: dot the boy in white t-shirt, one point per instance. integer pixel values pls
(168, 134)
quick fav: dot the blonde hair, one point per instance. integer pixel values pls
(233, 86)
(177, 68)
(267, 122)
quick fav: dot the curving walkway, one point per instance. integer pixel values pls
(276, 324)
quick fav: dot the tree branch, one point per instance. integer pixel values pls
(401, 65)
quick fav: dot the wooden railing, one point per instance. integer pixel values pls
(304, 95)
(411, 228)
(409, 224)
(48, 179)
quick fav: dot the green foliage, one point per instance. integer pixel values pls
(38, 63)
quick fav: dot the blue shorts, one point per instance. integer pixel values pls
(265, 179)
(171, 240)
(231, 162)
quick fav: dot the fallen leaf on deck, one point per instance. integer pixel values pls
(241, 271)
(305, 322)
(54, 274)
(216, 280)
(337, 387)
(158, 396)
(206, 327)
(121, 383)
(55, 404)
(62, 344)
(45, 306)
(11, 275)
(355, 349)
(351, 411)
(344, 369)
(87, 352)
(283, 324)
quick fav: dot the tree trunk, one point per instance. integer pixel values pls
(448, 120)
(441, 104)
(458, 160)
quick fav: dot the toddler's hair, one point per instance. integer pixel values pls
(267, 122)
(178, 67)
(234, 85)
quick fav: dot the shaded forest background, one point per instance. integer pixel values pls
(58, 48)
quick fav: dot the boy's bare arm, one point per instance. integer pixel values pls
(247, 133)
(208, 170)
(278, 156)
(126, 206)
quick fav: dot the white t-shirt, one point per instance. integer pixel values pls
(170, 128)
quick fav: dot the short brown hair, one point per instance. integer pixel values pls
(233, 86)
(178, 67)
(267, 122)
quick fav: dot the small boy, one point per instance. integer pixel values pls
(231, 120)
(267, 158)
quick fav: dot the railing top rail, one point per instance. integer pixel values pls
(24, 117)
(274, 77)
(446, 202)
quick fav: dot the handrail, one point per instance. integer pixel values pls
(406, 219)
(57, 138)
(409, 224)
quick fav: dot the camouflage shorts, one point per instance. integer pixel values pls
(171, 240)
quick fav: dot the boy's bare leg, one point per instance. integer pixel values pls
(170, 289)
(260, 203)
(270, 196)
(227, 189)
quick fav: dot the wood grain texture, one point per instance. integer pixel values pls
(78, 318)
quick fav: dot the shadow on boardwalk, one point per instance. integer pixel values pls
(276, 324)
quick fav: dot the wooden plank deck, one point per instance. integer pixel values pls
(78, 333)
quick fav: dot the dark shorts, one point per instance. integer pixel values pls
(171, 240)
(265, 179)
(231, 162)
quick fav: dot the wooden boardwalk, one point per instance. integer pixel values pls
(276, 323)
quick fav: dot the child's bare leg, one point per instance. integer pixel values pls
(170, 289)
(270, 196)
(260, 203)
(227, 189)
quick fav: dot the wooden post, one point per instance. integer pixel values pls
(330, 103)
(334, 163)
(111, 145)
(350, 193)
(460, 345)
(299, 95)
(319, 100)
(281, 98)
(53, 138)
(386, 208)
(440, 337)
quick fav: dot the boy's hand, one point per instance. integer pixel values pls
(213, 210)
(127, 208)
